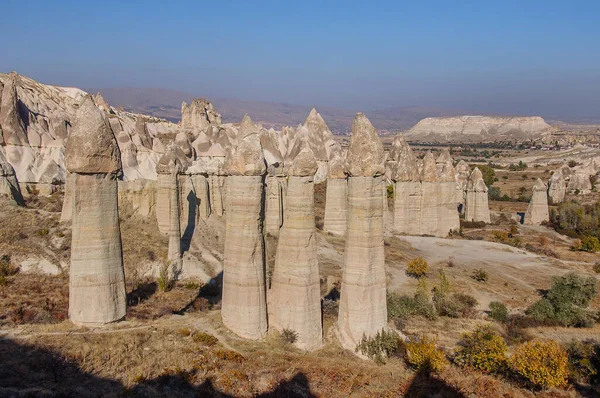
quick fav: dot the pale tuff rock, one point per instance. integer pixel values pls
(139, 194)
(365, 157)
(1, 132)
(407, 189)
(463, 172)
(537, 211)
(580, 182)
(173, 162)
(448, 193)
(245, 157)
(275, 193)
(9, 185)
(295, 289)
(13, 128)
(321, 140)
(476, 203)
(334, 220)
(97, 280)
(303, 162)
(363, 309)
(66, 215)
(92, 147)
(141, 129)
(273, 157)
(244, 309)
(444, 157)
(217, 185)
(184, 144)
(101, 103)
(430, 198)
(557, 187)
(200, 114)
(174, 252)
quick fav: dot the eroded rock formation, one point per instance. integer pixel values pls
(407, 191)
(200, 114)
(476, 203)
(244, 309)
(537, 211)
(557, 187)
(295, 301)
(336, 209)
(363, 309)
(9, 186)
(97, 281)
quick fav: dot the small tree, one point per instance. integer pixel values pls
(379, 347)
(498, 311)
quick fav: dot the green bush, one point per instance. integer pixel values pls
(498, 311)
(589, 244)
(390, 191)
(483, 349)
(289, 336)
(480, 275)
(459, 305)
(543, 363)
(379, 347)
(566, 302)
(584, 361)
(401, 307)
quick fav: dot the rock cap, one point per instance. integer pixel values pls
(365, 156)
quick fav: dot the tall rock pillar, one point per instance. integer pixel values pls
(407, 189)
(448, 219)
(295, 300)
(363, 309)
(537, 211)
(336, 198)
(557, 188)
(476, 203)
(430, 198)
(96, 279)
(244, 307)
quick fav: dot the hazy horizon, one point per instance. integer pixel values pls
(539, 58)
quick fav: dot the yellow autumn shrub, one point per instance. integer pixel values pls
(543, 363)
(417, 267)
(422, 353)
(483, 349)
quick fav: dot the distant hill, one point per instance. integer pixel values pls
(167, 104)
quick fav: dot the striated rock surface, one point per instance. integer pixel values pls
(448, 193)
(244, 309)
(172, 161)
(363, 308)
(476, 203)
(97, 280)
(557, 187)
(477, 128)
(463, 172)
(334, 220)
(537, 211)
(295, 301)
(275, 193)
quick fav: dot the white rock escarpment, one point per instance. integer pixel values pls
(295, 299)
(244, 307)
(9, 186)
(97, 281)
(537, 211)
(363, 308)
(476, 203)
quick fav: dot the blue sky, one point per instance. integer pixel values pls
(502, 57)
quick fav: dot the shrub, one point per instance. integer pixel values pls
(566, 302)
(584, 361)
(417, 267)
(205, 338)
(390, 191)
(543, 363)
(500, 236)
(422, 354)
(229, 355)
(589, 244)
(441, 292)
(480, 275)
(482, 349)
(572, 163)
(597, 268)
(459, 305)
(164, 279)
(289, 336)
(498, 311)
(401, 307)
(379, 347)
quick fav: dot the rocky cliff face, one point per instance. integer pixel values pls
(477, 128)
